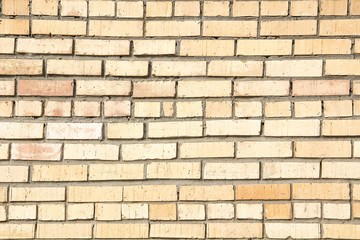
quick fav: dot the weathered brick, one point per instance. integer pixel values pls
(14, 174)
(7, 45)
(126, 68)
(307, 210)
(109, 28)
(216, 8)
(91, 152)
(107, 211)
(57, 27)
(127, 130)
(204, 88)
(341, 231)
(117, 108)
(206, 149)
(231, 28)
(342, 108)
(308, 109)
(74, 67)
(15, 7)
(28, 108)
(189, 109)
(17, 130)
(147, 151)
(74, 131)
(22, 212)
(7, 88)
(174, 170)
(341, 127)
(333, 7)
(150, 193)
(248, 109)
(37, 194)
(287, 170)
(187, 8)
(135, 211)
(207, 48)
(77, 211)
(278, 109)
(320, 87)
(121, 230)
(336, 210)
(257, 149)
(261, 88)
(14, 26)
(342, 66)
(4, 151)
(102, 47)
(102, 172)
(64, 230)
(234, 230)
(223, 170)
(94, 193)
(245, 8)
(274, 8)
(355, 7)
(206, 193)
(59, 173)
(16, 230)
(36, 151)
(75, 8)
(3, 194)
(86, 109)
(331, 191)
(51, 212)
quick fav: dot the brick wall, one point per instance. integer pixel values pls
(179, 119)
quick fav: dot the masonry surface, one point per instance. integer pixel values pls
(179, 119)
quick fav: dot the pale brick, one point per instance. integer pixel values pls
(51, 88)
(178, 68)
(356, 106)
(59, 173)
(21, 66)
(94, 193)
(356, 192)
(16, 230)
(331, 191)
(357, 44)
(278, 109)
(206, 193)
(261, 88)
(248, 109)
(3, 194)
(349, 127)
(175, 129)
(207, 150)
(103, 172)
(154, 47)
(320, 87)
(333, 7)
(147, 109)
(288, 27)
(74, 67)
(117, 108)
(74, 131)
(14, 173)
(249, 211)
(204, 88)
(341, 169)
(355, 7)
(223, 170)
(233, 127)
(216, 8)
(356, 209)
(44, 46)
(294, 68)
(218, 109)
(4, 151)
(51, 212)
(168, 109)
(245, 8)
(7, 88)
(220, 211)
(64, 230)
(127, 9)
(150, 193)
(263, 192)
(57, 109)
(109, 28)
(148, 151)
(235, 68)
(307, 210)
(28, 108)
(184, 28)
(121, 230)
(15, 7)
(126, 68)
(278, 211)
(37, 194)
(75, 8)
(6, 108)
(159, 9)
(304, 8)
(174, 170)
(129, 130)
(338, 27)
(189, 109)
(257, 149)
(288, 170)
(234, 230)
(233, 28)
(263, 47)
(191, 212)
(76, 211)
(322, 46)
(177, 230)
(98, 8)
(36, 151)
(101, 88)
(336, 210)
(342, 66)
(187, 8)
(322, 149)
(154, 89)
(22, 212)
(274, 8)
(14, 26)
(3, 214)
(342, 108)
(57, 27)
(91, 151)
(102, 47)
(292, 230)
(107, 211)
(341, 231)
(207, 48)
(86, 109)
(7, 45)
(162, 211)
(308, 109)
(281, 128)
(17, 130)
(44, 7)
(135, 211)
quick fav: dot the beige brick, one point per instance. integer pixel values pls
(356, 192)
(6, 108)
(263, 47)
(204, 88)
(162, 211)
(206, 193)
(178, 68)
(121, 230)
(102, 47)
(356, 106)
(86, 109)
(74, 131)
(248, 109)
(17, 130)
(263, 192)
(154, 89)
(341, 169)
(277, 211)
(333, 7)
(249, 211)
(245, 8)
(174, 170)
(4, 151)
(16, 230)
(223, 170)
(127, 130)
(177, 230)
(341, 127)
(94, 193)
(336, 210)
(21, 66)
(109, 28)
(216, 8)
(274, 8)
(355, 7)
(207, 47)
(102, 172)
(117, 108)
(14, 26)
(341, 231)
(15, 7)
(187, 8)
(37, 194)
(294, 68)
(158, 9)
(107, 211)
(233, 28)
(150, 193)
(36, 151)
(288, 170)
(172, 28)
(322, 46)
(293, 230)
(7, 88)
(261, 88)
(189, 109)
(342, 67)
(281, 128)
(218, 109)
(74, 67)
(76, 8)
(44, 46)
(308, 109)
(59, 173)
(148, 151)
(22, 212)
(3, 213)
(288, 27)
(338, 27)
(356, 149)
(320, 87)
(64, 230)
(91, 151)
(57, 27)
(134, 211)
(355, 209)
(77, 211)
(126, 68)
(304, 8)
(357, 44)
(338, 108)
(278, 109)
(51, 212)
(3, 194)
(175, 129)
(220, 211)
(127, 9)
(28, 108)
(44, 7)
(57, 109)
(234, 230)
(322, 149)
(331, 191)
(235, 68)
(262, 149)
(100, 88)
(307, 210)
(191, 212)
(207, 150)
(14, 173)
(147, 109)
(154, 46)
(98, 8)
(233, 127)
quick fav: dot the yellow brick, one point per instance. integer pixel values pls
(322, 149)
(158, 9)
(109, 28)
(76, 8)
(172, 28)
(147, 109)
(99, 8)
(135, 211)
(322, 46)
(230, 28)
(28, 108)
(37, 194)
(162, 211)
(219, 109)
(233, 127)
(177, 230)
(44, 46)
(154, 47)
(3, 194)
(278, 211)
(261, 88)
(16, 231)
(127, 9)
(15, 7)
(292, 127)
(304, 8)
(130, 152)
(91, 152)
(204, 88)
(125, 130)
(99, 88)
(191, 211)
(76, 211)
(231, 170)
(278, 109)
(150, 193)
(107, 211)
(320, 87)
(342, 67)
(248, 109)
(274, 8)
(286, 170)
(44, 7)
(292, 230)
(102, 47)
(94, 194)
(175, 129)
(355, 7)
(288, 27)
(7, 45)
(64, 230)
(126, 68)
(178, 68)
(21, 66)
(206, 193)
(234, 230)
(263, 47)
(307, 109)
(356, 107)
(174, 170)
(59, 173)
(187, 8)
(333, 7)
(14, 26)
(341, 127)
(57, 27)
(245, 8)
(333, 191)
(341, 231)
(216, 8)
(207, 48)
(13, 173)
(189, 109)
(74, 67)
(51, 212)
(338, 27)
(235, 68)
(101, 172)
(206, 149)
(257, 149)
(336, 108)
(294, 68)
(121, 230)
(22, 212)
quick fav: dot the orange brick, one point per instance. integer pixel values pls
(278, 211)
(263, 192)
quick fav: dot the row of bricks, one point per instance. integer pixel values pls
(210, 48)
(179, 211)
(180, 88)
(135, 9)
(166, 151)
(180, 109)
(183, 129)
(181, 170)
(156, 193)
(176, 28)
(216, 68)
(180, 230)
